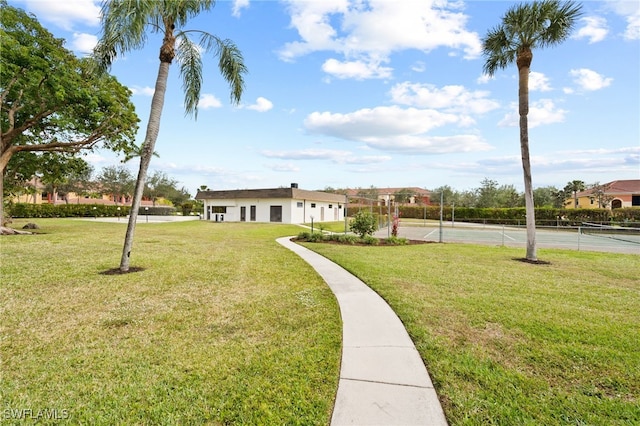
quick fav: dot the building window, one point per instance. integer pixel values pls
(275, 213)
(313, 205)
(218, 209)
(330, 206)
(299, 204)
(635, 200)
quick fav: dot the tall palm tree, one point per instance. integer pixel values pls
(527, 26)
(125, 25)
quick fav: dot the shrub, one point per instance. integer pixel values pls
(370, 240)
(396, 241)
(347, 238)
(26, 210)
(305, 235)
(310, 237)
(363, 223)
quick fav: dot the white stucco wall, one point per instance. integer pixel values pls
(293, 211)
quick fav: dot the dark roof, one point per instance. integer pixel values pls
(293, 193)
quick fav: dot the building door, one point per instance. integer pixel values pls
(243, 214)
(276, 214)
(252, 213)
(322, 214)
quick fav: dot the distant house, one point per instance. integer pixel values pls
(618, 194)
(279, 205)
(35, 192)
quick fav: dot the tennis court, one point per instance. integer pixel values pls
(583, 238)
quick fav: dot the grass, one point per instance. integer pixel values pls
(223, 326)
(508, 342)
(337, 226)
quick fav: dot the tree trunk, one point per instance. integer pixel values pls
(524, 62)
(2, 197)
(153, 127)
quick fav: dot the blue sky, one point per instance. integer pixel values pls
(386, 93)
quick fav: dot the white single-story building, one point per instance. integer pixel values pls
(281, 205)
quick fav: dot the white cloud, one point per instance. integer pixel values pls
(451, 98)
(633, 27)
(595, 29)
(358, 70)
(419, 67)
(261, 105)
(65, 13)
(590, 80)
(484, 79)
(366, 33)
(538, 82)
(84, 43)
(288, 167)
(208, 101)
(143, 91)
(541, 112)
(336, 156)
(395, 129)
(238, 5)
(630, 11)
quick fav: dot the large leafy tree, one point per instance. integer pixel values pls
(159, 185)
(125, 25)
(59, 172)
(525, 27)
(116, 181)
(50, 100)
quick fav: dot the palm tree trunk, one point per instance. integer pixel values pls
(153, 127)
(524, 61)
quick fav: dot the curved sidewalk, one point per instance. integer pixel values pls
(383, 380)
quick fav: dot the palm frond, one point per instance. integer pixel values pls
(230, 62)
(561, 22)
(526, 26)
(498, 49)
(190, 60)
(181, 11)
(123, 28)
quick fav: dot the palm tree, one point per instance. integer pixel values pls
(573, 188)
(125, 25)
(527, 26)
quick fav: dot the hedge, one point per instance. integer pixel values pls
(26, 210)
(544, 216)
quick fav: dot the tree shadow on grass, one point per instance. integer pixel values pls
(533, 262)
(117, 271)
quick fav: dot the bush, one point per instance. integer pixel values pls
(364, 223)
(396, 241)
(27, 210)
(311, 237)
(347, 238)
(370, 240)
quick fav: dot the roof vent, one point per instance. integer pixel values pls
(294, 185)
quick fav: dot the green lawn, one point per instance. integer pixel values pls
(224, 326)
(511, 343)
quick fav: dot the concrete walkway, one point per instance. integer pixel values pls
(383, 380)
